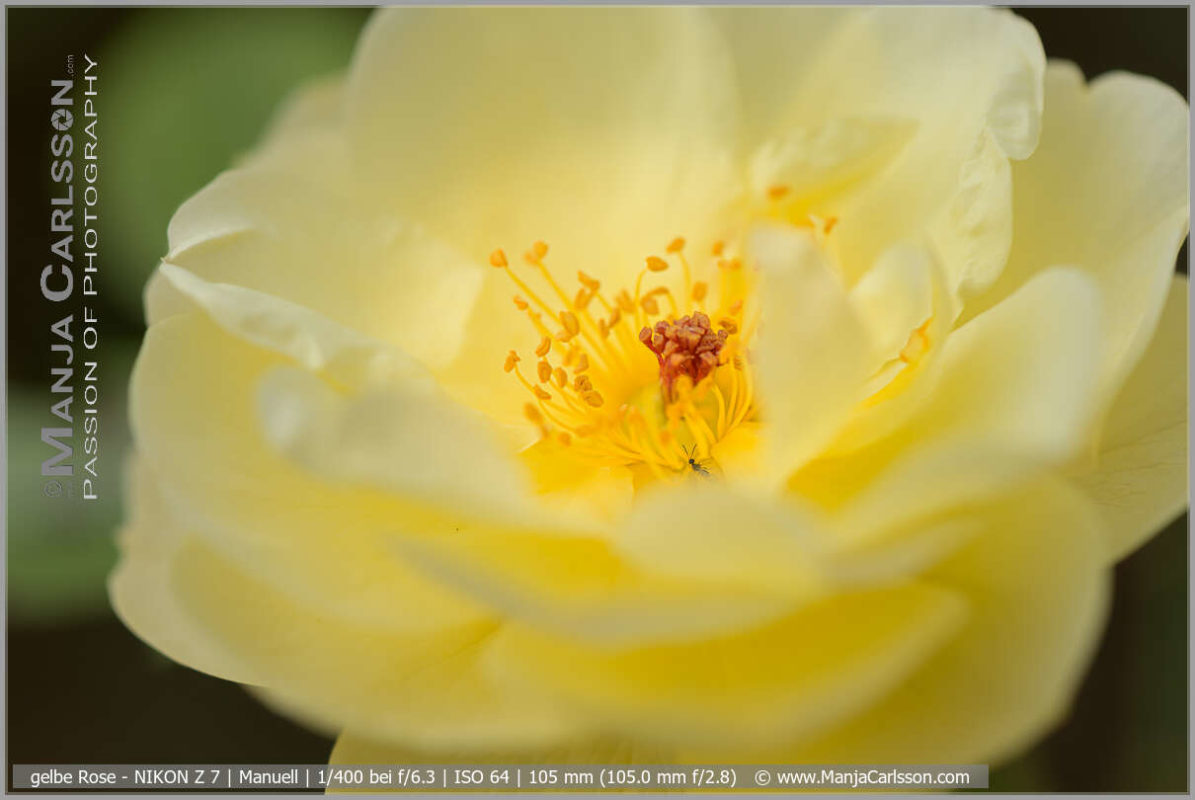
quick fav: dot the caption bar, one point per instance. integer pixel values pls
(503, 777)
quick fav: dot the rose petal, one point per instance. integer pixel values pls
(605, 132)
(1038, 596)
(970, 80)
(784, 679)
(194, 411)
(308, 236)
(814, 353)
(1106, 192)
(1139, 479)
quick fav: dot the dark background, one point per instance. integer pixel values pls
(82, 689)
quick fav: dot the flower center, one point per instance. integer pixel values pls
(685, 348)
(651, 377)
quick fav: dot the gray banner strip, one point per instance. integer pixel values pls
(499, 777)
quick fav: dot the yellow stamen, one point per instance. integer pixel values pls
(600, 400)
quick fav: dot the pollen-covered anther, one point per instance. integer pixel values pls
(777, 192)
(520, 303)
(543, 371)
(498, 259)
(545, 345)
(687, 347)
(571, 326)
(656, 264)
(590, 283)
(676, 245)
(625, 302)
(699, 291)
(512, 358)
(537, 253)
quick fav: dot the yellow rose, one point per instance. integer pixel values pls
(767, 385)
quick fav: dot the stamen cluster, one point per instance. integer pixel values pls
(589, 370)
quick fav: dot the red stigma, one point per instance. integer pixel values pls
(687, 346)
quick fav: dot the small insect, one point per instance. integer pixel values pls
(700, 466)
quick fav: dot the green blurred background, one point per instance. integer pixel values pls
(183, 92)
